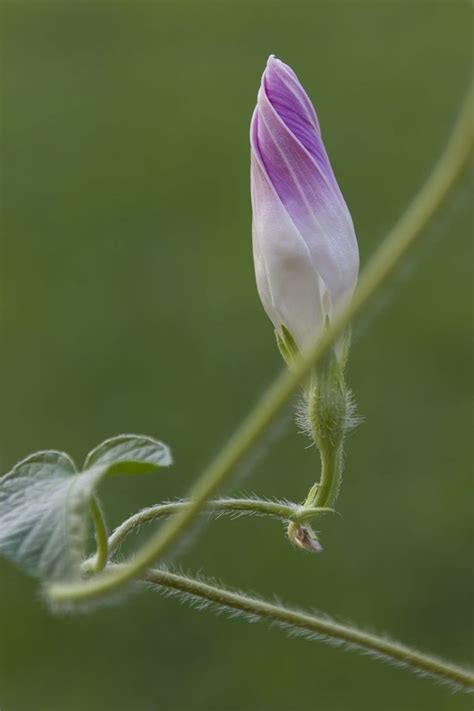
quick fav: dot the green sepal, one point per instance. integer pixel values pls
(287, 345)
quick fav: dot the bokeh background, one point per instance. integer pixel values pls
(128, 303)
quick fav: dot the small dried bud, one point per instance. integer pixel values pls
(303, 537)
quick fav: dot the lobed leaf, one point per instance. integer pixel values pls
(44, 502)
(130, 454)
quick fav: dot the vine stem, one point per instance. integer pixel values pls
(393, 250)
(313, 625)
(331, 474)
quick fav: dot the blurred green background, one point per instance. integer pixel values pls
(128, 303)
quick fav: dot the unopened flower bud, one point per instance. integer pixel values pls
(305, 248)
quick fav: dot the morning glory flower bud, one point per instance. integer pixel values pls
(305, 248)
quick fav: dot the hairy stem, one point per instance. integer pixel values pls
(313, 625)
(388, 257)
(331, 475)
(328, 412)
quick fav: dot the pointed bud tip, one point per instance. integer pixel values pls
(273, 62)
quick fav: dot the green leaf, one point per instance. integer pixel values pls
(42, 522)
(44, 502)
(130, 454)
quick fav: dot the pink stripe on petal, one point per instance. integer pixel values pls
(291, 102)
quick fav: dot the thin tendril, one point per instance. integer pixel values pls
(101, 557)
(286, 511)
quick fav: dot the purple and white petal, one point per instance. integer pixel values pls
(284, 272)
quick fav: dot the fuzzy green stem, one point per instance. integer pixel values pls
(329, 417)
(393, 250)
(331, 475)
(327, 630)
(99, 561)
(327, 412)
